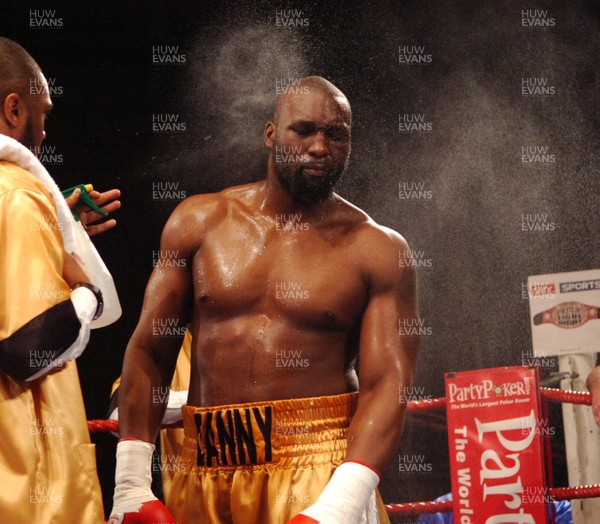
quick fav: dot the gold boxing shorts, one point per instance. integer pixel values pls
(261, 462)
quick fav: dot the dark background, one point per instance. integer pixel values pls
(468, 233)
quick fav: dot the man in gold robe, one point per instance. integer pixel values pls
(47, 462)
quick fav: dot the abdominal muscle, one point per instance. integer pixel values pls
(256, 358)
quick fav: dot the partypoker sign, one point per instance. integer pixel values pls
(564, 312)
(495, 446)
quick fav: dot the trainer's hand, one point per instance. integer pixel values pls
(345, 499)
(91, 220)
(134, 502)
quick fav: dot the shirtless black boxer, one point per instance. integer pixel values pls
(286, 284)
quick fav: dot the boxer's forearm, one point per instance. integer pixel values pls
(142, 401)
(147, 371)
(373, 436)
(376, 428)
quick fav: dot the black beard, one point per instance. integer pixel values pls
(306, 189)
(28, 140)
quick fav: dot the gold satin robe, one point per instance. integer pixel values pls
(47, 461)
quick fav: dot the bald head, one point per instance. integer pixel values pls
(311, 86)
(24, 96)
(17, 68)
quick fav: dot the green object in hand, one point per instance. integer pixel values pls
(84, 197)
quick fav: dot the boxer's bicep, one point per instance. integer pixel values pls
(391, 325)
(387, 357)
(152, 352)
(168, 298)
(164, 315)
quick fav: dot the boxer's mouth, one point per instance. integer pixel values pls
(316, 169)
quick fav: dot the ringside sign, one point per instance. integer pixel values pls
(564, 310)
(495, 444)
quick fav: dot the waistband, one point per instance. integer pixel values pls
(268, 431)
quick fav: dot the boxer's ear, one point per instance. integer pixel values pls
(269, 134)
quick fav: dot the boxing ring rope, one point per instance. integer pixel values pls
(438, 404)
(569, 397)
(413, 406)
(445, 506)
(104, 426)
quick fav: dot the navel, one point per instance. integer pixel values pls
(330, 315)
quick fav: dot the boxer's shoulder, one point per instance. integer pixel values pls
(197, 215)
(198, 212)
(381, 252)
(370, 234)
(215, 205)
(366, 234)
(375, 248)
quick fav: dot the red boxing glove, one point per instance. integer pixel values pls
(303, 519)
(134, 502)
(151, 512)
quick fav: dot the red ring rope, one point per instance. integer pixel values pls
(571, 397)
(417, 508)
(445, 506)
(413, 406)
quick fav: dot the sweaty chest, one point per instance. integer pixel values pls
(300, 277)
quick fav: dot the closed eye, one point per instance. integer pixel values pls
(337, 134)
(303, 129)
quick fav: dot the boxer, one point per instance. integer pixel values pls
(286, 285)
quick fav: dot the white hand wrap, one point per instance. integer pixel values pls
(346, 497)
(132, 476)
